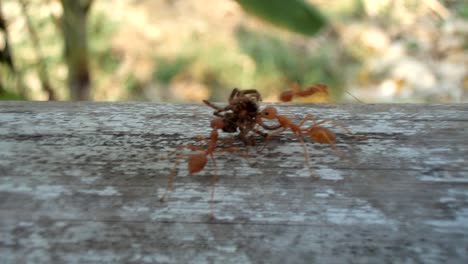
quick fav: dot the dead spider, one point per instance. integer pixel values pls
(242, 114)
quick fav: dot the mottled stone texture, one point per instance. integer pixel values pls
(80, 183)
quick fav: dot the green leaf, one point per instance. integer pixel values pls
(5, 95)
(295, 15)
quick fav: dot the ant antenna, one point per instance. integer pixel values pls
(350, 94)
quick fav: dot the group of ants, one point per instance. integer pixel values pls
(243, 115)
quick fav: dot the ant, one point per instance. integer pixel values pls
(296, 91)
(271, 113)
(316, 132)
(197, 161)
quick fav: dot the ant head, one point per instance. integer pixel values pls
(217, 123)
(269, 112)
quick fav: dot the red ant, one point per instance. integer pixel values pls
(316, 132)
(270, 113)
(287, 96)
(197, 161)
(296, 91)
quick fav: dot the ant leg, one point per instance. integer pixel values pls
(228, 141)
(307, 117)
(191, 147)
(355, 98)
(258, 132)
(251, 142)
(261, 133)
(318, 123)
(335, 149)
(171, 178)
(336, 123)
(214, 179)
(306, 155)
(194, 148)
(259, 121)
(267, 139)
(270, 127)
(242, 133)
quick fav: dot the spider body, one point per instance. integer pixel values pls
(241, 114)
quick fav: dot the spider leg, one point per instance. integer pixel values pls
(253, 92)
(215, 107)
(235, 93)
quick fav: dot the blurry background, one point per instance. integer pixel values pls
(189, 50)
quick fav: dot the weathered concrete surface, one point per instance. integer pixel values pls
(80, 183)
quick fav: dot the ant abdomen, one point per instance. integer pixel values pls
(322, 135)
(286, 96)
(197, 162)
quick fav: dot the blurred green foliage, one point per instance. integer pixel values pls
(145, 58)
(168, 68)
(132, 84)
(295, 15)
(262, 61)
(6, 95)
(461, 8)
(275, 57)
(100, 30)
(348, 10)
